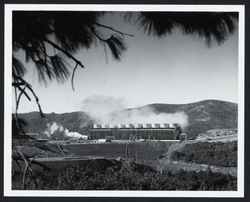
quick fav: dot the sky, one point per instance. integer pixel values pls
(175, 69)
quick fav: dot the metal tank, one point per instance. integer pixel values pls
(131, 125)
(164, 125)
(106, 126)
(139, 125)
(157, 125)
(98, 125)
(176, 125)
(123, 125)
(115, 126)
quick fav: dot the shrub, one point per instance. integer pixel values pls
(218, 154)
(138, 177)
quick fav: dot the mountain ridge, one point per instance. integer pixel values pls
(203, 116)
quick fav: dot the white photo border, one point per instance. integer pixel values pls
(112, 7)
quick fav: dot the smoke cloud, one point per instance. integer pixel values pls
(54, 127)
(110, 110)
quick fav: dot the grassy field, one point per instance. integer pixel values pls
(144, 151)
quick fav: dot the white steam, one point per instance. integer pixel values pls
(111, 110)
(54, 127)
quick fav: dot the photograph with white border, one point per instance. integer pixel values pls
(124, 100)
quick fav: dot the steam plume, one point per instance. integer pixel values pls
(103, 109)
(54, 127)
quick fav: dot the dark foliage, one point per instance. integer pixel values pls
(17, 127)
(116, 46)
(218, 154)
(38, 32)
(18, 67)
(213, 26)
(127, 177)
(49, 36)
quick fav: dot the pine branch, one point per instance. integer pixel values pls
(65, 52)
(72, 78)
(114, 43)
(18, 165)
(17, 119)
(19, 96)
(23, 91)
(37, 101)
(115, 30)
(27, 167)
(17, 85)
(100, 38)
(45, 59)
(32, 91)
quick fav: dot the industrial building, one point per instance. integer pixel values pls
(136, 131)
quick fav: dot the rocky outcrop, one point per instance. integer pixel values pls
(218, 134)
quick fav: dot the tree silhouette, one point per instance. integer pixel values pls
(47, 38)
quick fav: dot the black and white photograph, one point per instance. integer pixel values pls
(124, 100)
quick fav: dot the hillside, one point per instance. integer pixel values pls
(74, 121)
(203, 116)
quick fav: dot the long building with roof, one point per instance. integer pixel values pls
(136, 131)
